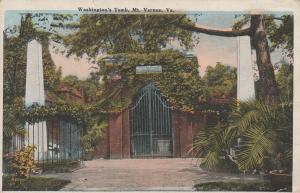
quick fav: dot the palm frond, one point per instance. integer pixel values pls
(211, 160)
(257, 144)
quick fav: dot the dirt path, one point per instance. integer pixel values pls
(139, 174)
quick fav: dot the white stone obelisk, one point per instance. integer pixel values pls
(35, 94)
(245, 82)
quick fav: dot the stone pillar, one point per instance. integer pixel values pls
(245, 83)
(35, 94)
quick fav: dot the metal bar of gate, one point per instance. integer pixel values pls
(146, 123)
(142, 128)
(48, 134)
(33, 141)
(63, 140)
(60, 141)
(70, 141)
(43, 145)
(164, 119)
(57, 139)
(28, 134)
(138, 126)
(52, 149)
(150, 122)
(38, 146)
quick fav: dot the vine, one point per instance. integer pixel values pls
(179, 81)
(71, 111)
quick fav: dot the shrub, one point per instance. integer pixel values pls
(264, 131)
(23, 161)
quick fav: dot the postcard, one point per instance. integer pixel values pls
(161, 96)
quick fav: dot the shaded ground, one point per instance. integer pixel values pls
(140, 174)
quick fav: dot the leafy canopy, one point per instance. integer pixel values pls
(221, 81)
(112, 34)
(279, 31)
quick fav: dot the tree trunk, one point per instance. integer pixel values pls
(267, 82)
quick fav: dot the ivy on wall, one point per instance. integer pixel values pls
(179, 81)
(73, 112)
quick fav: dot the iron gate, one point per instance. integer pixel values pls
(151, 126)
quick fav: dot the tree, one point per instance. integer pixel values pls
(285, 81)
(14, 70)
(281, 35)
(95, 34)
(221, 81)
(71, 80)
(139, 33)
(124, 34)
(258, 33)
(14, 74)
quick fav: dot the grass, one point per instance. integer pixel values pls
(238, 186)
(32, 183)
(59, 167)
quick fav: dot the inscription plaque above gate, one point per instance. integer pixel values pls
(148, 69)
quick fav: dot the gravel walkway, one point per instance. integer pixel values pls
(174, 174)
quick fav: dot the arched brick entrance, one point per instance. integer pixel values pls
(118, 140)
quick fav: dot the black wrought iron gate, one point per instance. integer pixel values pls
(151, 126)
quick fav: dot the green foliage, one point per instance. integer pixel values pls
(78, 113)
(32, 184)
(179, 82)
(284, 79)
(14, 68)
(125, 33)
(23, 161)
(211, 144)
(242, 185)
(65, 166)
(70, 80)
(82, 114)
(221, 81)
(91, 87)
(14, 64)
(281, 34)
(280, 31)
(265, 129)
(93, 135)
(11, 124)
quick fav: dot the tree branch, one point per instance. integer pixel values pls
(276, 18)
(215, 31)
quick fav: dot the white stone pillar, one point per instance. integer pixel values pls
(245, 82)
(35, 93)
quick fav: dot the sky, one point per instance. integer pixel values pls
(209, 50)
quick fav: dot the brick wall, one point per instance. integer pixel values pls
(182, 132)
(117, 144)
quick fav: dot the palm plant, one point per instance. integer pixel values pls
(265, 130)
